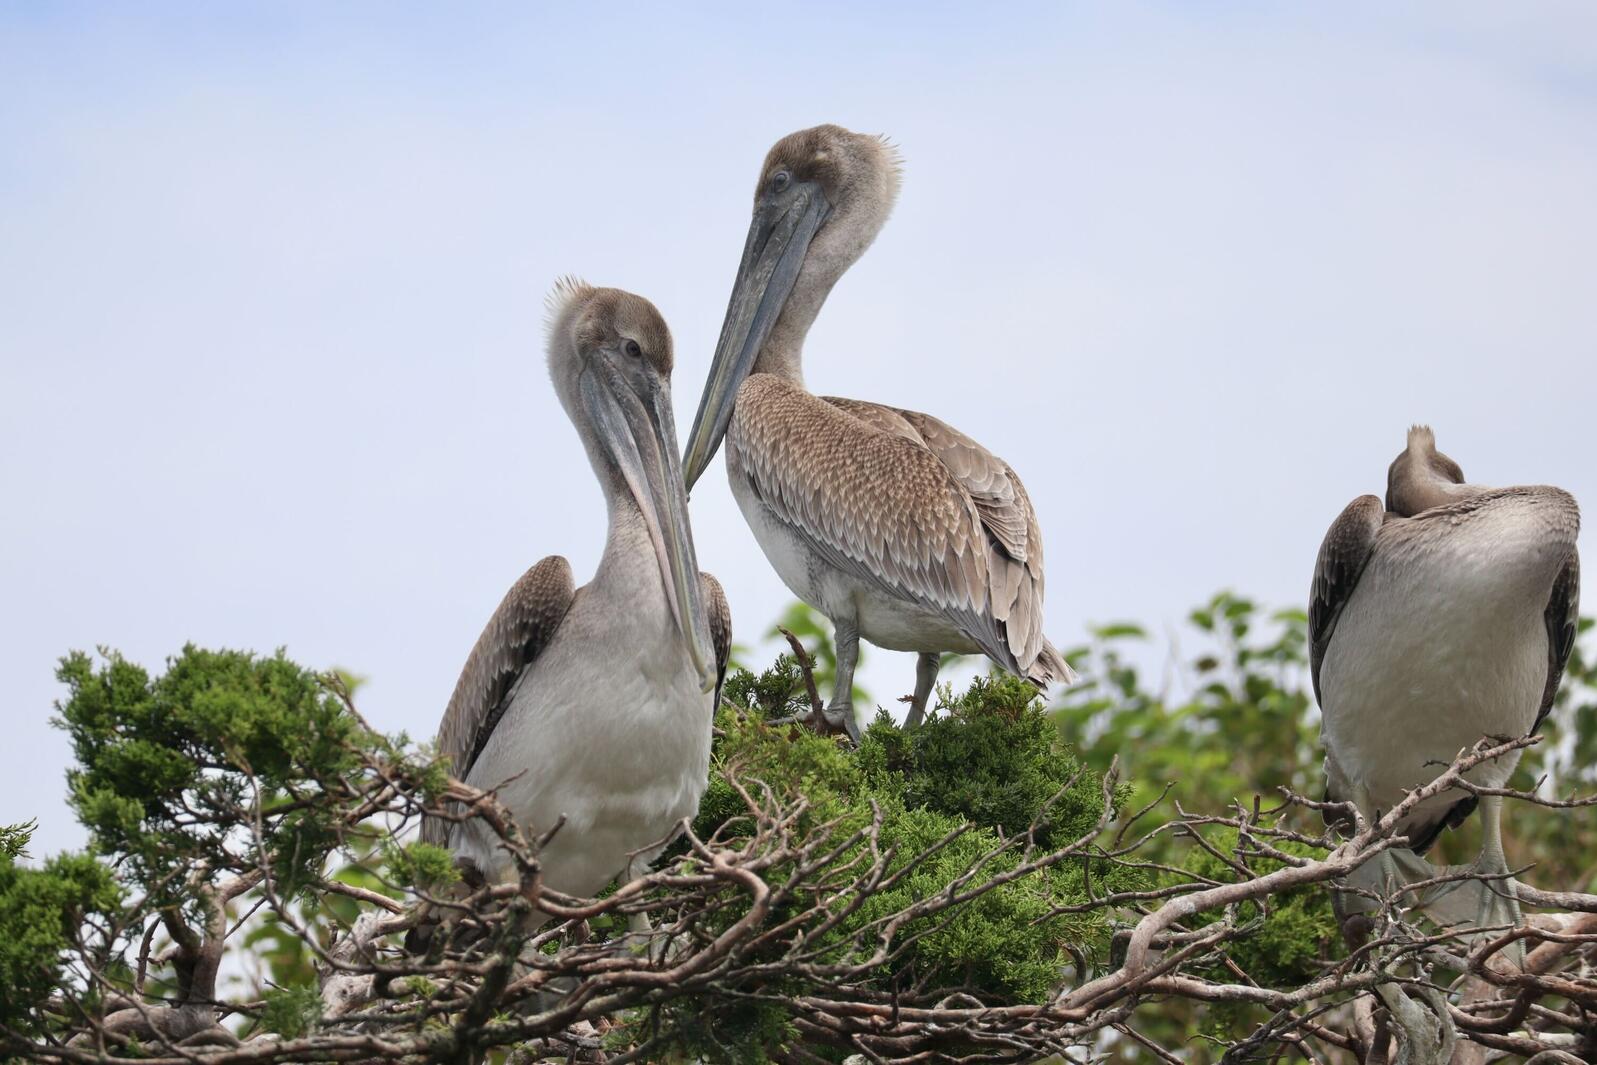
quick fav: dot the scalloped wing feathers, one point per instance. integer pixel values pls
(903, 500)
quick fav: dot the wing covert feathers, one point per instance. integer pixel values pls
(1563, 621)
(720, 617)
(1014, 538)
(904, 500)
(1343, 556)
(515, 635)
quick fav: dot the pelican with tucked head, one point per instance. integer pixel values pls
(896, 526)
(1440, 618)
(594, 703)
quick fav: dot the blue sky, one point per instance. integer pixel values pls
(271, 283)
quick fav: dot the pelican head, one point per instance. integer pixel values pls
(823, 195)
(1422, 477)
(610, 358)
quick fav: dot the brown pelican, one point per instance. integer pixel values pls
(594, 703)
(899, 528)
(1441, 618)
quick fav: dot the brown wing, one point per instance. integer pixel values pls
(517, 633)
(875, 502)
(887, 419)
(1014, 537)
(1563, 620)
(720, 615)
(1343, 556)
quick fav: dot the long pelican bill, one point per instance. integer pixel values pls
(779, 238)
(640, 434)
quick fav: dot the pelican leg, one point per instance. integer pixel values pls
(1495, 862)
(840, 711)
(1423, 1030)
(1379, 876)
(638, 924)
(1487, 899)
(641, 937)
(1499, 900)
(927, 664)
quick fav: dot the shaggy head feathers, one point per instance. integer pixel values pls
(580, 318)
(845, 164)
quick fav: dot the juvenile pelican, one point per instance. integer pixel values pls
(594, 703)
(1440, 619)
(896, 526)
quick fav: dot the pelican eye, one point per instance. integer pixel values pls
(780, 180)
(633, 349)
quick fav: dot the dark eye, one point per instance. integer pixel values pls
(633, 349)
(780, 180)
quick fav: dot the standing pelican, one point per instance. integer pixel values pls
(1441, 618)
(594, 703)
(894, 525)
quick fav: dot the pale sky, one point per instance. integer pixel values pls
(271, 286)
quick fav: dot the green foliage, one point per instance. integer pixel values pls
(14, 839)
(947, 795)
(279, 948)
(1561, 845)
(993, 758)
(41, 914)
(1233, 720)
(1289, 943)
(1005, 946)
(787, 760)
(229, 758)
(777, 692)
(1243, 724)
(291, 1012)
(227, 761)
(372, 865)
(418, 864)
(815, 633)
(169, 767)
(1236, 718)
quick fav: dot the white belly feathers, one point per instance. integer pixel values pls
(614, 670)
(1442, 643)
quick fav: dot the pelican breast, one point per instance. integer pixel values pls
(1448, 626)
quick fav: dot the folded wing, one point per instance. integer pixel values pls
(907, 502)
(515, 636)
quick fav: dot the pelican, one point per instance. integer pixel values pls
(594, 703)
(896, 526)
(1440, 618)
